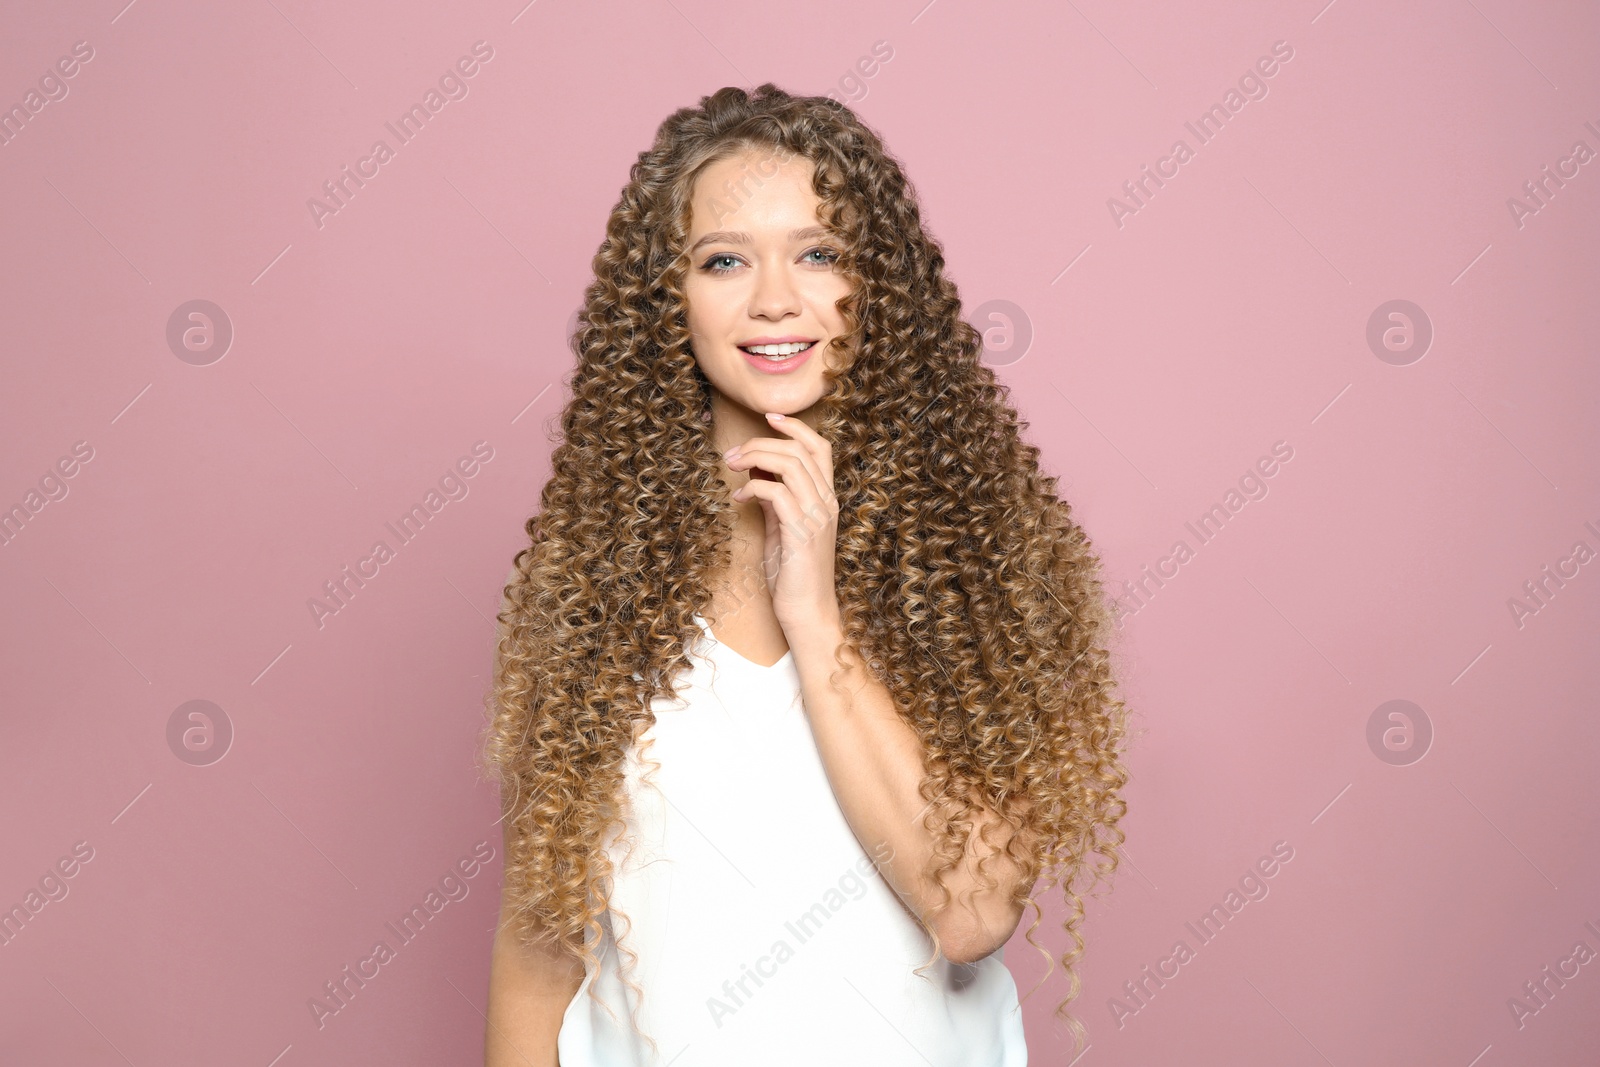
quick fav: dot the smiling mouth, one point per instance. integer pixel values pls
(777, 353)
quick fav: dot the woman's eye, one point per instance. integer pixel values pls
(829, 256)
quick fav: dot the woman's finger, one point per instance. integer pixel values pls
(802, 521)
(819, 448)
(796, 471)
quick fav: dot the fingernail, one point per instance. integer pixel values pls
(774, 416)
(730, 453)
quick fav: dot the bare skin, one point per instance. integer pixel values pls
(529, 990)
(744, 621)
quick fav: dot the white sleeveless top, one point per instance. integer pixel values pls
(761, 930)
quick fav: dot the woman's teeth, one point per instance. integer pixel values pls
(777, 351)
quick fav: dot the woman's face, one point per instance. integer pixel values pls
(761, 270)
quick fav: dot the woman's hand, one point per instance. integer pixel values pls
(792, 477)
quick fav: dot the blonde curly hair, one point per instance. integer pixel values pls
(961, 577)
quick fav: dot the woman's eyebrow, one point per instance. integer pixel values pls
(733, 237)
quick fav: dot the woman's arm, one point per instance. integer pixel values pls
(872, 756)
(529, 987)
(874, 762)
(529, 990)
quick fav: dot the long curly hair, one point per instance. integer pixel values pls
(963, 580)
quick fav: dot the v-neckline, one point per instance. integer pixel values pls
(719, 643)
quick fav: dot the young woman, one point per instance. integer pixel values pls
(802, 681)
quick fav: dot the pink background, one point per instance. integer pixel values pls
(1165, 357)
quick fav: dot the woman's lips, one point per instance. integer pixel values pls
(777, 366)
